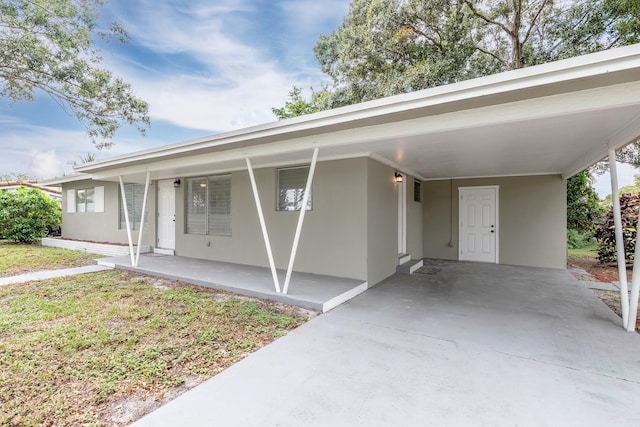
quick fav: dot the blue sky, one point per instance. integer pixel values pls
(204, 66)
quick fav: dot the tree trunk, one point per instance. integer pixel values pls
(517, 60)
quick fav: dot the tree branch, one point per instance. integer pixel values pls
(482, 16)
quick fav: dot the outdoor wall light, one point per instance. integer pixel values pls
(176, 183)
(398, 176)
(203, 184)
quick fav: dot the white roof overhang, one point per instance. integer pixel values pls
(556, 118)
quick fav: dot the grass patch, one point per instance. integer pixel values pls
(20, 258)
(588, 251)
(73, 348)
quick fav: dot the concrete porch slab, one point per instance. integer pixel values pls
(309, 291)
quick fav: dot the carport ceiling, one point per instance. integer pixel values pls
(556, 118)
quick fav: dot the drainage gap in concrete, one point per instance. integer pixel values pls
(428, 270)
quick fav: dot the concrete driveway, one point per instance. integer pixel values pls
(471, 344)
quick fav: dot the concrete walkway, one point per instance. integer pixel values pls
(467, 345)
(50, 274)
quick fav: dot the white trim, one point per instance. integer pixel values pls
(497, 213)
(416, 266)
(515, 175)
(396, 166)
(351, 293)
(163, 251)
(66, 179)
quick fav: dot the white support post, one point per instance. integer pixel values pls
(144, 209)
(126, 219)
(263, 225)
(303, 209)
(617, 221)
(635, 289)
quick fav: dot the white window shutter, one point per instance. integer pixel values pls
(71, 201)
(99, 199)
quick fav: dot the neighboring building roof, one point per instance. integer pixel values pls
(52, 192)
(555, 118)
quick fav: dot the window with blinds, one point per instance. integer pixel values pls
(208, 205)
(291, 186)
(135, 197)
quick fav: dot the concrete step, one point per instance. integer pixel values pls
(403, 258)
(409, 267)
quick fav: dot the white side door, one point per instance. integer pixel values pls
(166, 215)
(478, 229)
(402, 216)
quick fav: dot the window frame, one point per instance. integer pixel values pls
(208, 227)
(85, 203)
(295, 208)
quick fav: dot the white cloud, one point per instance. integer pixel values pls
(306, 16)
(41, 152)
(44, 164)
(231, 85)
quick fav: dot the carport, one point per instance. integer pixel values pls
(467, 344)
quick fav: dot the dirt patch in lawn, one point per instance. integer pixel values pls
(103, 349)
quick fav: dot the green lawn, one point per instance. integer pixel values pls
(590, 251)
(72, 349)
(19, 258)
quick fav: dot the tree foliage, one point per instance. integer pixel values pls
(296, 105)
(26, 215)
(583, 203)
(387, 47)
(49, 46)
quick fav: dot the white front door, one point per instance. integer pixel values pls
(402, 217)
(478, 230)
(166, 215)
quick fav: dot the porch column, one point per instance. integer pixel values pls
(303, 209)
(263, 226)
(635, 289)
(144, 208)
(617, 221)
(126, 220)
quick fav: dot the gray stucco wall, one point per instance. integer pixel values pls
(532, 219)
(382, 222)
(103, 226)
(333, 239)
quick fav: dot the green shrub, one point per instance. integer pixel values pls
(605, 231)
(27, 214)
(578, 240)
